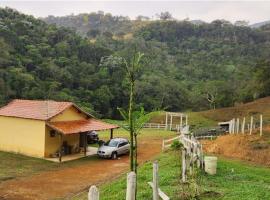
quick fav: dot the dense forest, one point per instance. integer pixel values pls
(186, 65)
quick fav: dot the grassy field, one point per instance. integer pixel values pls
(235, 180)
(105, 135)
(238, 180)
(254, 108)
(16, 165)
(195, 120)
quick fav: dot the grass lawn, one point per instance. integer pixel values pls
(16, 165)
(235, 181)
(145, 133)
(239, 180)
(195, 120)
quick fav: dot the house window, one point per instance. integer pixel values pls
(52, 133)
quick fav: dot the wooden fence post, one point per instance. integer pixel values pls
(233, 126)
(166, 124)
(230, 127)
(155, 181)
(183, 165)
(93, 193)
(243, 125)
(237, 125)
(171, 121)
(251, 125)
(261, 124)
(131, 186)
(198, 155)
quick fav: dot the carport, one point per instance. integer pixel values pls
(67, 129)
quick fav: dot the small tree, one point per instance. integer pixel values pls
(139, 118)
(132, 68)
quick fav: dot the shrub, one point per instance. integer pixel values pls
(176, 145)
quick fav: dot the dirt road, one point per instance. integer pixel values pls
(66, 182)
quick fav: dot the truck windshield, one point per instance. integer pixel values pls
(111, 143)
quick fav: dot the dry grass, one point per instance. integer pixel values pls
(247, 147)
(255, 108)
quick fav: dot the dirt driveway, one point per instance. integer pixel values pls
(66, 182)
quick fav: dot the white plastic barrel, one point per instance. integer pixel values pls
(210, 164)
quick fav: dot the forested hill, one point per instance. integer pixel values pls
(186, 65)
(94, 24)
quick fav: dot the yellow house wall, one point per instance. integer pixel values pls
(25, 136)
(52, 144)
(69, 114)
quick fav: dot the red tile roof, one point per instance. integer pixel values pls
(34, 109)
(79, 126)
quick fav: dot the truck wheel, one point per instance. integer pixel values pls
(114, 155)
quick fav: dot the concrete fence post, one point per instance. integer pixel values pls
(155, 181)
(233, 125)
(243, 125)
(183, 165)
(230, 127)
(131, 186)
(251, 125)
(237, 125)
(93, 193)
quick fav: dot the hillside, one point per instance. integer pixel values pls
(260, 24)
(247, 147)
(255, 108)
(94, 24)
(186, 66)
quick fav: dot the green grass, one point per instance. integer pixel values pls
(197, 120)
(238, 180)
(16, 165)
(235, 180)
(105, 135)
(168, 171)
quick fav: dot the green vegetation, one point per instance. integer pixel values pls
(238, 180)
(188, 66)
(195, 120)
(145, 133)
(235, 180)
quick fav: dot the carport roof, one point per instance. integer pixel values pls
(80, 126)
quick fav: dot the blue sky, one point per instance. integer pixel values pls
(252, 11)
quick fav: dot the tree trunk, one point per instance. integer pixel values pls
(136, 159)
(135, 153)
(131, 125)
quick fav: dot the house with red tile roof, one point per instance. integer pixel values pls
(45, 128)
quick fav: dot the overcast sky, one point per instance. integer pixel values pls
(252, 11)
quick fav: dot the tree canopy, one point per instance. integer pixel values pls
(187, 65)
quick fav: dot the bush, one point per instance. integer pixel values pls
(176, 145)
